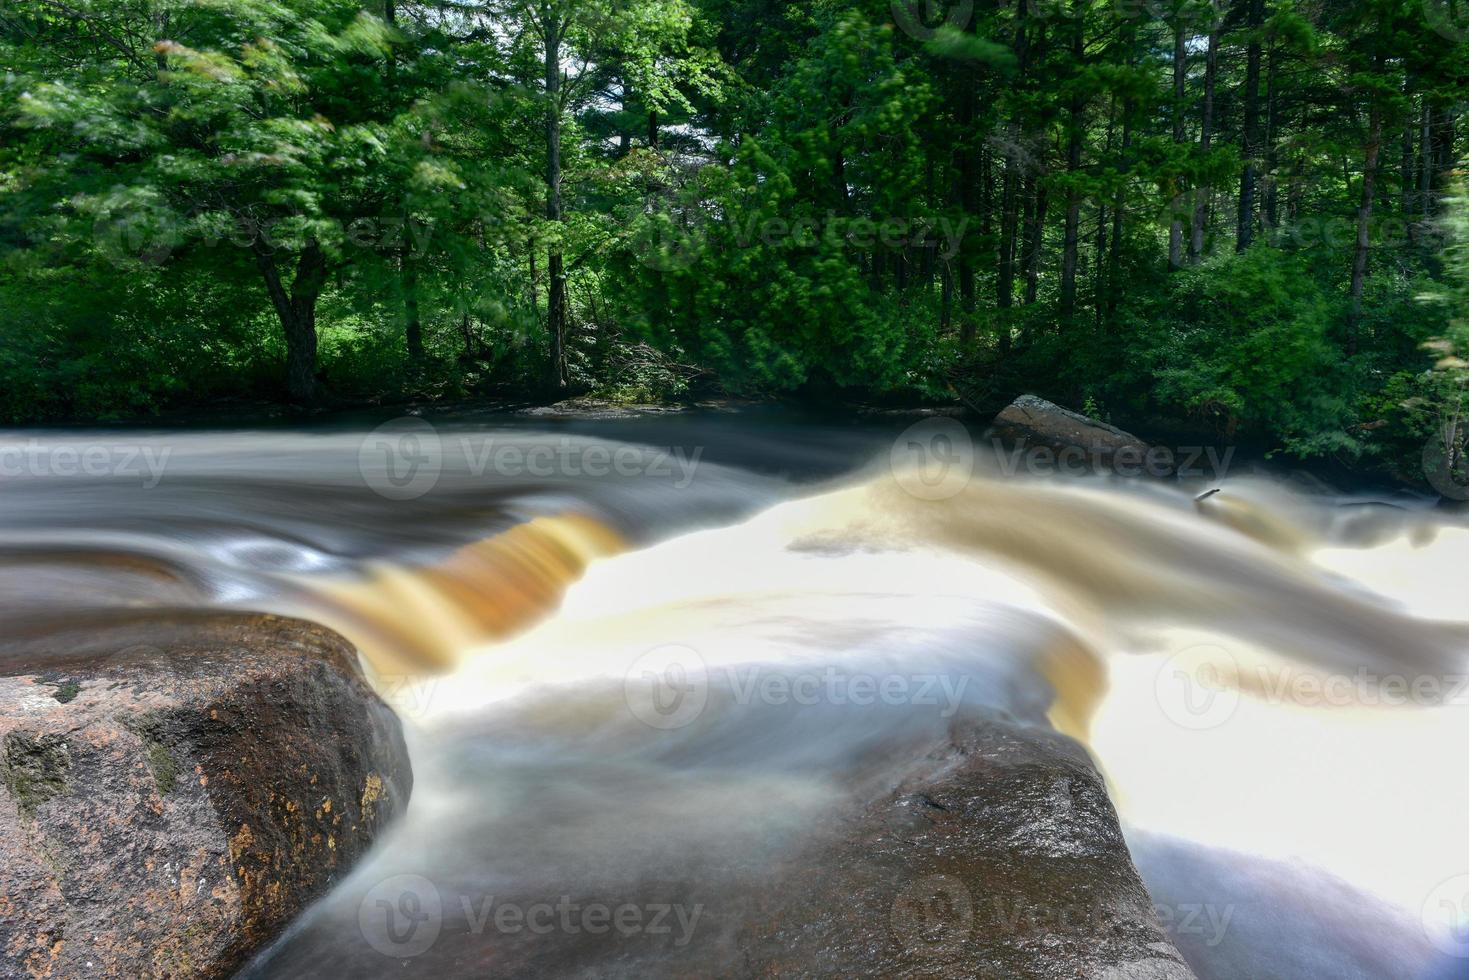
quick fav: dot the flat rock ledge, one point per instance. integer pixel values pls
(177, 786)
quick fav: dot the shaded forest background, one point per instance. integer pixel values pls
(1238, 218)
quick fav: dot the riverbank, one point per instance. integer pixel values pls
(1208, 453)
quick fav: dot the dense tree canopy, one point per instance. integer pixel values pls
(1238, 217)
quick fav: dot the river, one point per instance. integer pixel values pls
(639, 658)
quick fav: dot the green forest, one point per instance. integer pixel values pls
(1238, 218)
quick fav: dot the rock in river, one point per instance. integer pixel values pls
(991, 853)
(1001, 859)
(1033, 421)
(178, 786)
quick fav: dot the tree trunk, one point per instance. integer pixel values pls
(1364, 220)
(1250, 138)
(297, 313)
(1295, 189)
(1072, 234)
(1070, 240)
(1425, 163)
(555, 267)
(535, 291)
(839, 176)
(1206, 132)
(468, 332)
(1407, 179)
(946, 297)
(1099, 268)
(1444, 140)
(1100, 281)
(1114, 255)
(1035, 229)
(556, 316)
(966, 176)
(624, 138)
(1272, 123)
(1244, 228)
(986, 193)
(413, 328)
(1180, 67)
(1010, 190)
(1009, 219)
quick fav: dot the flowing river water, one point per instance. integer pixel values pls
(638, 661)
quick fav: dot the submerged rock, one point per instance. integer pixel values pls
(178, 786)
(1033, 421)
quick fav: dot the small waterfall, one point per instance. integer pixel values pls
(632, 686)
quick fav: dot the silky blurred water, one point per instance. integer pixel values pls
(641, 662)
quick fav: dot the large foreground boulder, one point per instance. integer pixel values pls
(1032, 421)
(177, 786)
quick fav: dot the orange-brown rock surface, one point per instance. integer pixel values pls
(177, 786)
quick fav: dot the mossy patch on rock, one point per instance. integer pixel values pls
(36, 768)
(162, 762)
(66, 691)
(165, 767)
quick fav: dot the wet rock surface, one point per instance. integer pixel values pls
(1004, 860)
(999, 857)
(1032, 421)
(177, 786)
